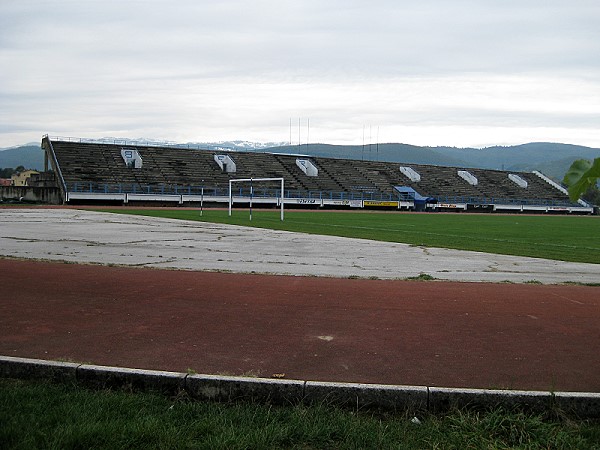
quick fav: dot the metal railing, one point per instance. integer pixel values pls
(161, 189)
(215, 191)
(54, 161)
(159, 144)
(487, 201)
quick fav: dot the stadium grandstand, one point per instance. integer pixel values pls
(133, 173)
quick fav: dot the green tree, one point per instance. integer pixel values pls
(581, 176)
(592, 195)
(7, 172)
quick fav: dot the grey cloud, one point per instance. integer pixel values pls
(98, 63)
(377, 38)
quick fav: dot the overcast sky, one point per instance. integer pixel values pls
(426, 72)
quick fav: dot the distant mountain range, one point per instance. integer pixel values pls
(29, 156)
(549, 158)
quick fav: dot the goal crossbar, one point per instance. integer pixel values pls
(251, 181)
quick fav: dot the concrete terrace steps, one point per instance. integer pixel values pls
(413, 399)
(347, 174)
(322, 182)
(378, 178)
(172, 166)
(444, 181)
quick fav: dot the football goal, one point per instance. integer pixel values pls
(252, 181)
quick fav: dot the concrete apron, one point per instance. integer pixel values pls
(102, 238)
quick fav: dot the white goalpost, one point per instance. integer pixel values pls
(251, 181)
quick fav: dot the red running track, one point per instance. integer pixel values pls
(392, 332)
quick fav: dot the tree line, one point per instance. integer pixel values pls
(8, 172)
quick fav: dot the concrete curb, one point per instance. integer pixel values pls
(355, 395)
(38, 369)
(264, 390)
(359, 395)
(102, 377)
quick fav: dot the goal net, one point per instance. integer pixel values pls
(248, 193)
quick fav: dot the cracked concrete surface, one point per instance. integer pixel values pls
(95, 237)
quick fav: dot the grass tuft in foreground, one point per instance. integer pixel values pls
(40, 415)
